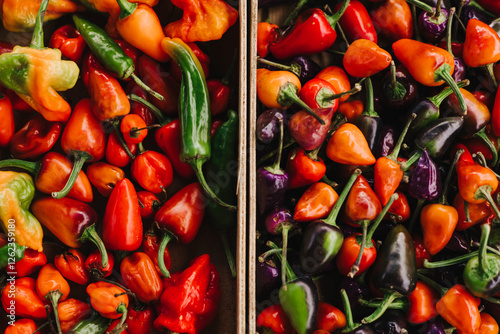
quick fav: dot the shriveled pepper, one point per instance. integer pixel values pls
(36, 74)
(148, 203)
(35, 138)
(69, 40)
(21, 293)
(16, 193)
(138, 272)
(71, 311)
(71, 264)
(196, 293)
(202, 20)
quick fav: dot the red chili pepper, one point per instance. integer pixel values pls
(141, 321)
(155, 76)
(329, 318)
(362, 204)
(150, 246)
(104, 177)
(315, 203)
(93, 264)
(477, 213)
(275, 319)
(31, 262)
(116, 154)
(267, 33)
(153, 171)
(460, 309)
(482, 44)
(495, 114)
(337, 77)
(22, 294)
(168, 138)
(149, 203)
(21, 326)
(422, 303)
(400, 209)
(122, 224)
(35, 138)
(393, 19)
(71, 264)
(365, 58)
(133, 129)
(7, 126)
(219, 92)
(138, 108)
(139, 275)
(69, 40)
(420, 251)
(190, 299)
(356, 22)
(319, 93)
(304, 169)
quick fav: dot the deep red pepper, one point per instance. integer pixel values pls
(151, 245)
(35, 138)
(219, 92)
(304, 169)
(7, 126)
(190, 299)
(495, 114)
(17, 102)
(138, 108)
(149, 203)
(357, 23)
(69, 40)
(140, 321)
(153, 171)
(400, 209)
(25, 299)
(420, 251)
(492, 6)
(482, 44)
(31, 262)
(122, 224)
(94, 267)
(275, 319)
(71, 264)
(116, 154)
(393, 19)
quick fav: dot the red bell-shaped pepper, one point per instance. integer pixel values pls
(190, 299)
(153, 171)
(482, 44)
(140, 321)
(304, 168)
(69, 40)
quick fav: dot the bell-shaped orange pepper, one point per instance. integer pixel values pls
(72, 311)
(438, 222)
(22, 293)
(477, 212)
(475, 183)
(109, 300)
(460, 309)
(351, 109)
(315, 203)
(422, 303)
(365, 58)
(140, 276)
(104, 177)
(203, 20)
(348, 146)
(362, 204)
(482, 44)
(51, 286)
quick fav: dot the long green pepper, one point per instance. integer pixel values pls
(194, 112)
(9, 252)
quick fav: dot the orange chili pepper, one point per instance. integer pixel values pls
(362, 203)
(22, 293)
(477, 213)
(21, 326)
(133, 128)
(72, 311)
(267, 33)
(348, 146)
(139, 25)
(104, 177)
(422, 303)
(337, 77)
(365, 58)
(460, 309)
(438, 222)
(351, 109)
(140, 276)
(475, 183)
(315, 203)
(108, 299)
(482, 44)
(51, 286)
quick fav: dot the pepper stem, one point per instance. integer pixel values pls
(443, 73)
(277, 160)
(397, 90)
(295, 11)
(122, 308)
(437, 11)
(369, 106)
(384, 305)
(79, 157)
(37, 37)
(276, 65)
(229, 253)
(288, 93)
(484, 192)
(268, 253)
(422, 5)
(449, 24)
(395, 151)
(450, 262)
(442, 291)
(284, 232)
(126, 8)
(29, 166)
(484, 265)
(357, 87)
(347, 310)
(90, 233)
(146, 88)
(121, 140)
(444, 195)
(332, 217)
(467, 212)
(167, 236)
(442, 95)
(414, 158)
(399, 304)
(355, 266)
(157, 112)
(53, 297)
(481, 134)
(381, 216)
(333, 19)
(290, 275)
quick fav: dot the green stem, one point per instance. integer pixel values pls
(491, 74)
(355, 266)
(295, 12)
(484, 265)
(140, 148)
(446, 186)
(284, 231)
(91, 234)
(384, 305)
(442, 95)
(481, 134)
(450, 262)
(355, 89)
(290, 275)
(381, 216)
(333, 19)
(37, 37)
(414, 158)
(416, 214)
(369, 104)
(344, 37)
(157, 112)
(122, 141)
(288, 92)
(397, 90)
(399, 304)
(122, 308)
(229, 253)
(54, 297)
(126, 8)
(268, 253)
(276, 65)
(277, 160)
(29, 166)
(415, 22)
(433, 284)
(395, 151)
(484, 192)
(437, 11)
(51, 323)
(167, 236)
(347, 310)
(79, 157)
(264, 158)
(422, 5)
(40, 327)
(449, 24)
(146, 88)
(332, 217)
(443, 73)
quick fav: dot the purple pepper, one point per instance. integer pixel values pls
(460, 70)
(267, 277)
(432, 26)
(434, 326)
(458, 244)
(470, 12)
(268, 125)
(306, 68)
(275, 220)
(386, 141)
(425, 181)
(354, 291)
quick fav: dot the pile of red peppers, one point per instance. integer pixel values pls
(377, 183)
(104, 163)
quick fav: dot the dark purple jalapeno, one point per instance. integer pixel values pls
(425, 181)
(267, 126)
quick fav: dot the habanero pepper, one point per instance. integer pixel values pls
(304, 168)
(7, 125)
(313, 32)
(148, 203)
(139, 275)
(190, 299)
(481, 46)
(153, 171)
(104, 177)
(36, 74)
(460, 309)
(319, 93)
(35, 138)
(69, 40)
(21, 292)
(351, 109)
(31, 262)
(21, 326)
(348, 146)
(71, 311)
(329, 318)
(338, 78)
(93, 264)
(267, 33)
(133, 129)
(422, 303)
(194, 112)
(71, 264)
(365, 58)
(109, 300)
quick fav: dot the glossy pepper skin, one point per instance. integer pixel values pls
(16, 194)
(275, 319)
(71, 264)
(150, 246)
(303, 169)
(460, 309)
(108, 299)
(196, 291)
(104, 177)
(482, 44)
(95, 325)
(35, 138)
(202, 20)
(116, 153)
(7, 125)
(95, 267)
(349, 146)
(267, 33)
(24, 297)
(69, 41)
(31, 262)
(122, 224)
(315, 203)
(71, 312)
(422, 301)
(153, 171)
(21, 326)
(365, 58)
(357, 23)
(393, 19)
(139, 274)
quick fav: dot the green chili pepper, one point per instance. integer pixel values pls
(9, 252)
(92, 325)
(221, 173)
(109, 53)
(194, 112)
